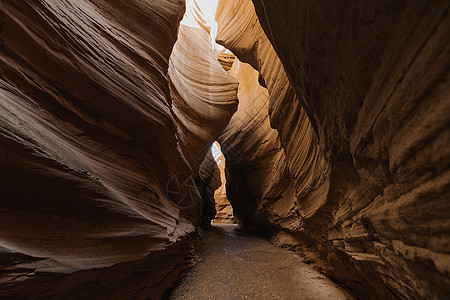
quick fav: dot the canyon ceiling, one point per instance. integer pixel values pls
(334, 121)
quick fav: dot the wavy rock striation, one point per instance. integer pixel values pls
(203, 94)
(338, 149)
(94, 167)
(239, 31)
(362, 114)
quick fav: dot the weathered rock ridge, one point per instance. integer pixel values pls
(362, 115)
(102, 132)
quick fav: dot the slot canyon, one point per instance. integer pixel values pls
(144, 144)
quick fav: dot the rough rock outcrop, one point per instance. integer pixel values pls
(94, 167)
(226, 59)
(369, 160)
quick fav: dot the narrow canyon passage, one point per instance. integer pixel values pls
(235, 265)
(331, 125)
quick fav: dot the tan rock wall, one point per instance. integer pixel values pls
(338, 149)
(239, 30)
(250, 145)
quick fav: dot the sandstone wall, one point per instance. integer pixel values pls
(239, 30)
(256, 171)
(94, 167)
(339, 147)
(363, 116)
(203, 94)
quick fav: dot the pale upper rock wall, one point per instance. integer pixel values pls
(373, 80)
(91, 147)
(204, 95)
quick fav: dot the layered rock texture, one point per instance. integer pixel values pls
(359, 98)
(102, 132)
(204, 95)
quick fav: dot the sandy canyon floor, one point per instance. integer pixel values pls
(235, 265)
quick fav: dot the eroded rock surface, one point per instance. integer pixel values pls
(303, 165)
(363, 117)
(256, 169)
(204, 95)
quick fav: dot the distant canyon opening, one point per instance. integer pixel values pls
(224, 210)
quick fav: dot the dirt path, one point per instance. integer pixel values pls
(237, 266)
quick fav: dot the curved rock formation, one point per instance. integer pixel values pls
(373, 80)
(240, 31)
(203, 95)
(255, 162)
(94, 167)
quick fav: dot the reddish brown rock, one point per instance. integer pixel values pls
(208, 182)
(203, 94)
(239, 30)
